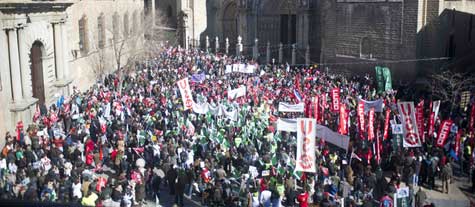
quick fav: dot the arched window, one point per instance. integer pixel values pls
(365, 48)
(83, 30)
(101, 31)
(126, 24)
(116, 26)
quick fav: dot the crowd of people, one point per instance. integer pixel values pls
(129, 140)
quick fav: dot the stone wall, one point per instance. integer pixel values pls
(387, 28)
(84, 67)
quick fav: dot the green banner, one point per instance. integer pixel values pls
(380, 78)
(387, 79)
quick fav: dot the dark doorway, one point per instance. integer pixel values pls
(230, 25)
(288, 29)
(36, 59)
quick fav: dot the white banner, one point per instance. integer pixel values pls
(201, 108)
(236, 93)
(306, 132)
(288, 125)
(285, 107)
(229, 69)
(185, 91)
(240, 68)
(219, 110)
(410, 132)
(335, 138)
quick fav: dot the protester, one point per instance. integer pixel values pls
(133, 135)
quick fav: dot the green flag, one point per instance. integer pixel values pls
(388, 85)
(379, 78)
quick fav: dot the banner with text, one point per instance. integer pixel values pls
(285, 107)
(410, 132)
(185, 91)
(306, 133)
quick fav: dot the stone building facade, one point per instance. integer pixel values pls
(47, 47)
(336, 32)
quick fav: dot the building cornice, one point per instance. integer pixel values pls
(33, 7)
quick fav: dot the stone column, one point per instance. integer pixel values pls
(153, 12)
(216, 45)
(24, 65)
(207, 44)
(15, 65)
(281, 52)
(58, 51)
(239, 46)
(268, 53)
(65, 52)
(227, 46)
(307, 55)
(255, 51)
(294, 53)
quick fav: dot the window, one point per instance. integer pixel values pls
(134, 23)
(126, 24)
(83, 39)
(115, 26)
(101, 31)
(365, 48)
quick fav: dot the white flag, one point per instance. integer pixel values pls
(409, 124)
(306, 133)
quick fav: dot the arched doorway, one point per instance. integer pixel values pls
(230, 25)
(36, 60)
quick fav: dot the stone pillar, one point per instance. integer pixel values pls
(281, 52)
(153, 12)
(294, 53)
(307, 55)
(227, 46)
(216, 45)
(58, 51)
(207, 44)
(24, 65)
(188, 43)
(65, 52)
(268, 53)
(239, 46)
(15, 65)
(255, 51)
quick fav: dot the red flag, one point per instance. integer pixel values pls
(386, 124)
(324, 104)
(19, 128)
(420, 119)
(369, 155)
(457, 142)
(378, 145)
(361, 117)
(472, 118)
(101, 182)
(316, 108)
(335, 99)
(443, 132)
(343, 126)
(101, 155)
(371, 125)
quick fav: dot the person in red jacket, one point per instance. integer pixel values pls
(302, 198)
